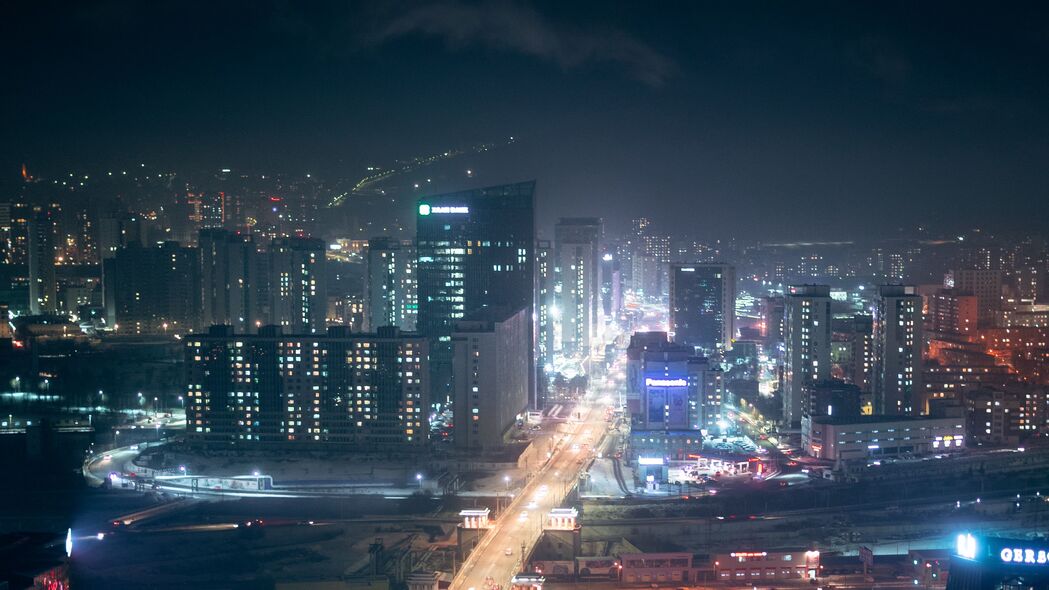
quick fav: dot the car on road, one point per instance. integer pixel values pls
(532, 505)
(509, 551)
(107, 457)
(524, 515)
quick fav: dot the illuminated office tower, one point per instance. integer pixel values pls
(476, 250)
(703, 305)
(807, 344)
(678, 390)
(391, 296)
(577, 241)
(896, 379)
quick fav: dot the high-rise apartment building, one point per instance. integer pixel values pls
(43, 286)
(807, 344)
(14, 229)
(852, 349)
(650, 261)
(985, 284)
(577, 241)
(231, 276)
(154, 290)
(703, 305)
(951, 312)
(391, 295)
(896, 379)
(772, 320)
(492, 375)
(366, 391)
(611, 283)
(298, 297)
(544, 300)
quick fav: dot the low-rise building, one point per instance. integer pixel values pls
(754, 567)
(874, 437)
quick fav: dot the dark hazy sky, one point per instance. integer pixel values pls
(768, 118)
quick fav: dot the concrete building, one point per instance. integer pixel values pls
(475, 250)
(762, 567)
(544, 301)
(703, 305)
(896, 378)
(995, 416)
(868, 438)
(491, 372)
(298, 296)
(950, 312)
(43, 286)
(852, 350)
(1023, 315)
(985, 284)
(635, 379)
(232, 274)
(362, 391)
(154, 290)
(680, 391)
(807, 344)
(649, 263)
(832, 397)
(391, 293)
(577, 242)
(772, 312)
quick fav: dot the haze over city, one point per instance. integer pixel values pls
(455, 295)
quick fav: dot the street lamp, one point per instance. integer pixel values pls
(419, 479)
(506, 480)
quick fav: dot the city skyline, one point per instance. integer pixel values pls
(514, 295)
(719, 105)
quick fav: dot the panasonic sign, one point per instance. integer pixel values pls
(650, 382)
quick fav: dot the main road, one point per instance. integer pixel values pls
(499, 556)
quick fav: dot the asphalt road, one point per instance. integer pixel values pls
(489, 565)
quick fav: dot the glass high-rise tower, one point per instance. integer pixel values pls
(476, 250)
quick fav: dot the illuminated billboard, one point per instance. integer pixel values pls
(650, 382)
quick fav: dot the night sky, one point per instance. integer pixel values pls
(760, 120)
